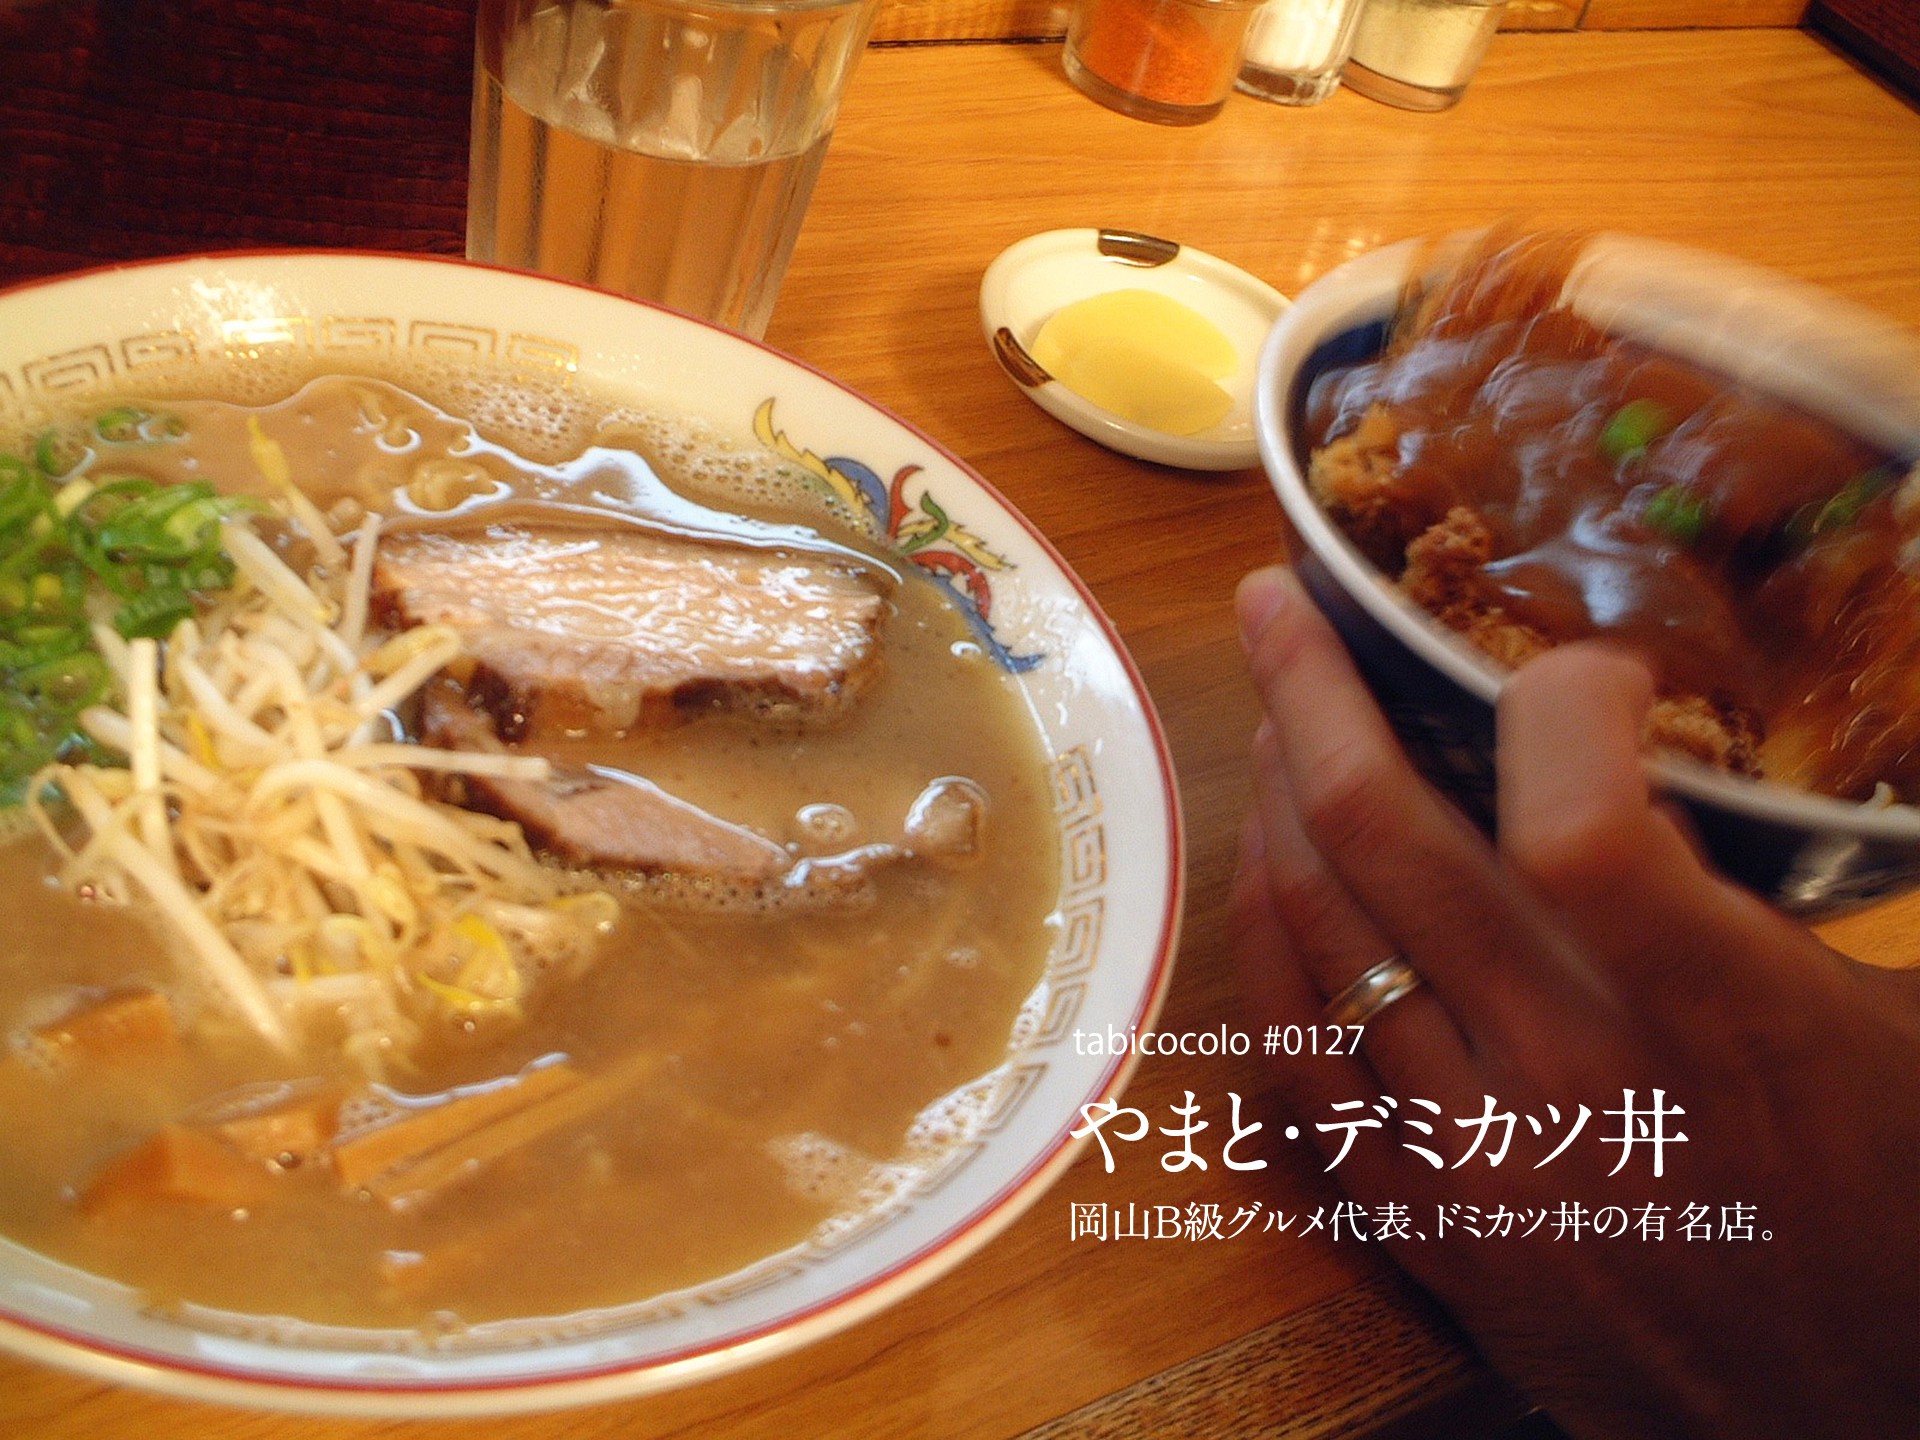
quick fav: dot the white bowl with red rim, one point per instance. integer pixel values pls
(1115, 800)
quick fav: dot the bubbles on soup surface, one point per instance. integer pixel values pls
(694, 456)
(818, 1168)
(542, 419)
(955, 1118)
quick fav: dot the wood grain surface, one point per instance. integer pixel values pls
(132, 128)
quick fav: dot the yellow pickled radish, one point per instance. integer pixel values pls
(1142, 356)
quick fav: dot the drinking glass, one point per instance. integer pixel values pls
(1168, 61)
(1420, 54)
(1295, 49)
(665, 149)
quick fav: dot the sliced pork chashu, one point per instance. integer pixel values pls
(613, 821)
(599, 819)
(599, 632)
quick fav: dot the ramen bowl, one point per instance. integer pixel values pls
(1809, 854)
(1113, 802)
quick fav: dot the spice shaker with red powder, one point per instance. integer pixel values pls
(1170, 61)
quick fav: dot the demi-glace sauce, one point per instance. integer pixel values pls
(1707, 537)
(807, 1059)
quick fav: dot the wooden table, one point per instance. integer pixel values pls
(139, 128)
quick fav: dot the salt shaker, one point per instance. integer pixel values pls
(1420, 54)
(1295, 49)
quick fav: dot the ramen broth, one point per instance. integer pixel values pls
(784, 1063)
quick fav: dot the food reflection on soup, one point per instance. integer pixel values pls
(515, 882)
(1530, 479)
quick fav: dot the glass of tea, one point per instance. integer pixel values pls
(665, 149)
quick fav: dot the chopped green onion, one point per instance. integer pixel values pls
(1810, 522)
(129, 424)
(153, 613)
(1634, 426)
(58, 454)
(22, 496)
(70, 533)
(1854, 497)
(171, 523)
(1677, 513)
(71, 682)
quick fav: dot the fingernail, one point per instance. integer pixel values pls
(1261, 596)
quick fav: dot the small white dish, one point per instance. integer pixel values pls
(1032, 279)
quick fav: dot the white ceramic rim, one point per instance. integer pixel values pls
(1067, 603)
(1693, 302)
(1034, 277)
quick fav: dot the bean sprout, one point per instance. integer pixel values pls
(284, 835)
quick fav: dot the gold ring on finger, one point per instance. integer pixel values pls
(1377, 988)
